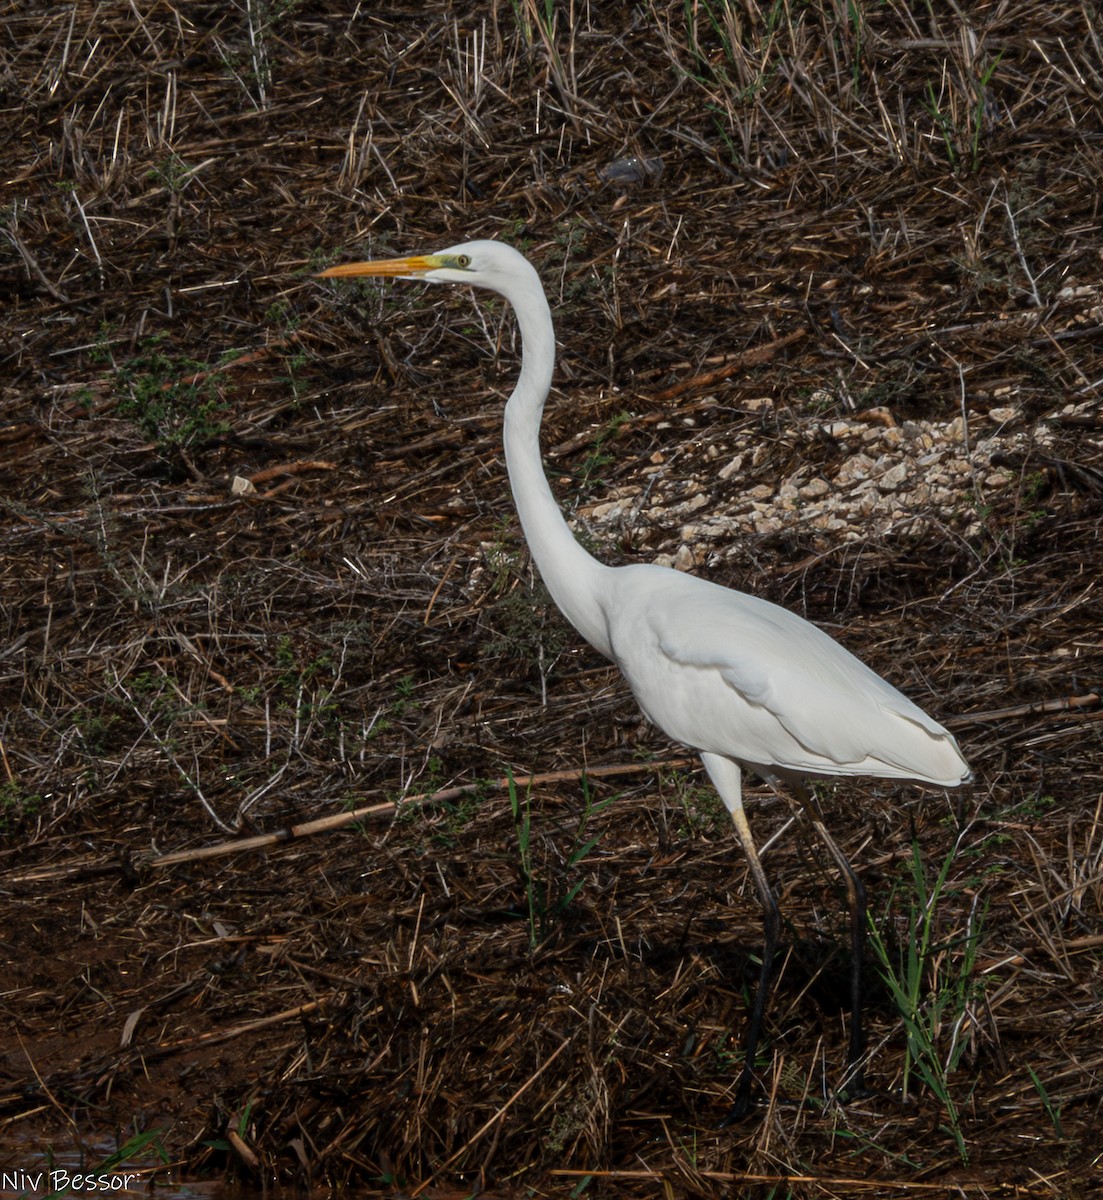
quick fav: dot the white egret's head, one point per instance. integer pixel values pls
(486, 264)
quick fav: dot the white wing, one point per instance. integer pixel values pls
(735, 675)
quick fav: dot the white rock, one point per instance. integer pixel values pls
(700, 533)
(855, 467)
(954, 431)
(766, 525)
(893, 477)
(684, 560)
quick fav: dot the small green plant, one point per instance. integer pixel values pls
(1033, 487)
(458, 813)
(587, 473)
(933, 985)
(383, 719)
(240, 1127)
(537, 21)
(306, 689)
(1053, 1111)
(130, 1153)
(979, 105)
(18, 806)
(172, 173)
(521, 809)
(523, 622)
(700, 809)
(253, 70)
(141, 1145)
(96, 732)
(943, 122)
(286, 346)
(961, 124)
(542, 903)
(533, 15)
(174, 401)
(404, 690)
(743, 61)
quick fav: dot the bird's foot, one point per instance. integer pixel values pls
(741, 1109)
(854, 1088)
(852, 1091)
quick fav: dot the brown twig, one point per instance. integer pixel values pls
(1037, 708)
(342, 820)
(748, 358)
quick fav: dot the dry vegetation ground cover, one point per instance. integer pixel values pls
(775, 236)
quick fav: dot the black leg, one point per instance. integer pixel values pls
(856, 906)
(725, 776)
(771, 928)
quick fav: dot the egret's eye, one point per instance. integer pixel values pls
(463, 260)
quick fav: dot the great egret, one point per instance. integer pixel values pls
(740, 680)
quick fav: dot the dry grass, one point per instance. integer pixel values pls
(918, 195)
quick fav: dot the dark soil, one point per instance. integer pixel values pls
(537, 991)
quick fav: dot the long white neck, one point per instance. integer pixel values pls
(575, 579)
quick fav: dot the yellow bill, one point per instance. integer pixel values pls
(413, 267)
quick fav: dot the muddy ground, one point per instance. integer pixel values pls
(827, 288)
